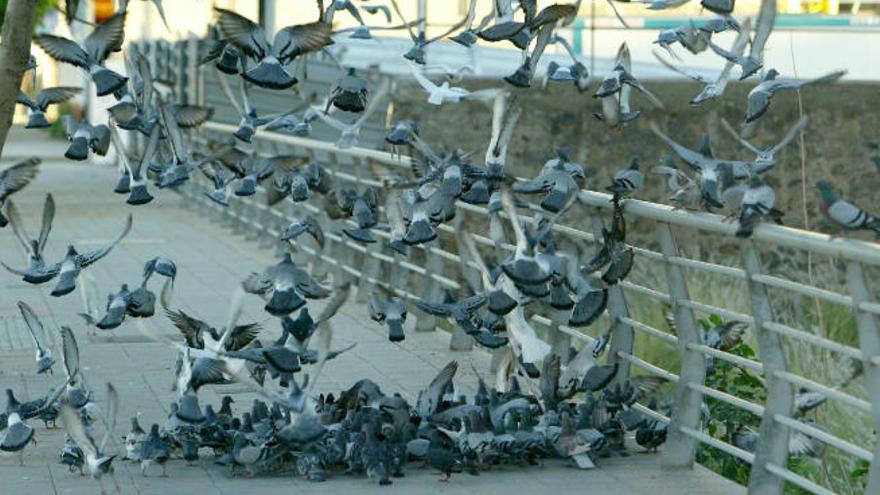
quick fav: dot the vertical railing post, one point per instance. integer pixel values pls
(680, 448)
(192, 72)
(869, 342)
(560, 342)
(772, 444)
(431, 291)
(622, 335)
(370, 269)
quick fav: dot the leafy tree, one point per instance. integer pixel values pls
(43, 8)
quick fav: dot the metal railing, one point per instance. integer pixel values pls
(427, 271)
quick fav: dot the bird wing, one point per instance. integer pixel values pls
(377, 308)
(34, 325)
(149, 151)
(646, 385)
(90, 257)
(59, 94)
(173, 131)
(111, 413)
(17, 226)
(74, 427)
(336, 124)
(436, 309)
(429, 398)
(690, 157)
(242, 335)
(189, 116)
(63, 50)
(378, 97)
(69, 353)
(46, 225)
(690, 75)
(507, 203)
(737, 49)
(120, 148)
(292, 41)
(224, 85)
(146, 75)
(243, 33)
(729, 128)
(421, 79)
(190, 327)
(790, 135)
(763, 27)
(14, 178)
(107, 37)
(333, 305)
(26, 100)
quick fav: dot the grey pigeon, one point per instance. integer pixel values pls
(628, 180)
(390, 311)
(286, 282)
(33, 247)
(104, 39)
(287, 44)
(14, 179)
(45, 97)
(757, 202)
(845, 214)
(69, 269)
(761, 95)
(85, 137)
(45, 360)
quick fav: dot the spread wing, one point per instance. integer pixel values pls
(333, 305)
(17, 226)
(242, 335)
(246, 35)
(46, 226)
(190, 327)
(74, 427)
(59, 94)
(87, 259)
(763, 27)
(16, 177)
(110, 415)
(35, 326)
(293, 41)
(189, 116)
(70, 353)
(790, 135)
(107, 37)
(63, 50)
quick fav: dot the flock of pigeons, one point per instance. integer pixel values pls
(538, 407)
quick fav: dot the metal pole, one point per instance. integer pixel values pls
(422, 14)
(592, 37)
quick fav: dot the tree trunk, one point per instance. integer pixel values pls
(15, 48)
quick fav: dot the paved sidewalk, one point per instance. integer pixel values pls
(211, 262)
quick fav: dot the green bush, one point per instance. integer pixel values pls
(43, 8)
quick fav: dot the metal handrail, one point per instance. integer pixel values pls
(769, 473)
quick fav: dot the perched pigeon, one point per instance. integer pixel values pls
(845, 214)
